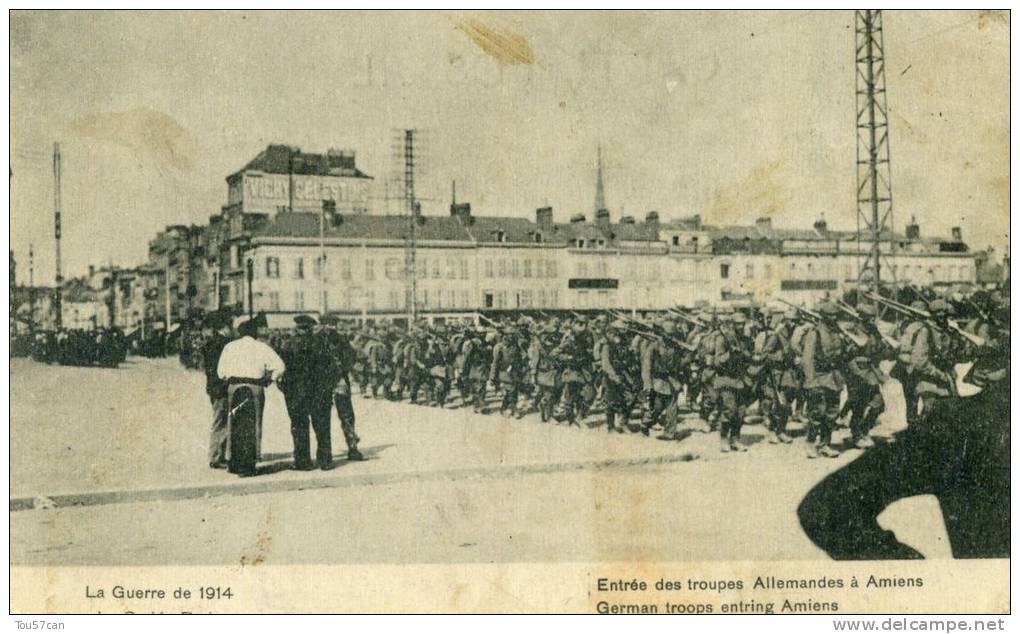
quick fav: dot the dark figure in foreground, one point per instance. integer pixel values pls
(308, 390)
(958, 451)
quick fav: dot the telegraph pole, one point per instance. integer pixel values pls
(31, 286)
(413, 210)
(874, 177)
(58, 295)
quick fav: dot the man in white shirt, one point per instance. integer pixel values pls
(248, 366)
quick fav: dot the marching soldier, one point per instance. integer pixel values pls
(617, 362)
(659, 362)
(342, 356)
(730, 361)
(905, 367)
(574, 354)
(772, 351)
(864, 380)
(544, 369)
(824, 354)
(933, 353)
(479, 360)
(507, 370)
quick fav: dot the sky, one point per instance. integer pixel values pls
(730, 115)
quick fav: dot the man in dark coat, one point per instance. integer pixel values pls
(218, 325)
(308, 389)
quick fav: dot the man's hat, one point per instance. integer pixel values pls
(304, 321)
(918, 305)
(329, 320)
(217, 319)
(737, 317)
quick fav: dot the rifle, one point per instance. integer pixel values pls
(857, 340)
(983, 314)
(867, 323)
(687, 318)
(927, 316)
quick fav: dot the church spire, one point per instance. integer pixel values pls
(600, 189)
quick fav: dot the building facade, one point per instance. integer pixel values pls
(297, 236)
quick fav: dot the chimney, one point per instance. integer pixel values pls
(764, 222)
(577, 218)
(543, 217)
(92, 271)
(602, 219)
(462, 211)
(957, 234)
(913, 229)
(652, 218)
(627, 220)
(821, 226)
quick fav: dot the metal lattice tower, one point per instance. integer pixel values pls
(600, 188)
(413, 209)
(874, 180)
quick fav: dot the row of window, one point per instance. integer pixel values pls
(523, 298)
(517, 268)
(458, 268)
(824, 269)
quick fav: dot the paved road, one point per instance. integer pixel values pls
(441, 485)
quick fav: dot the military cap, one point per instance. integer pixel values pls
(918, 305)
(669, 327)
(827, 308)
(304, 321)
(938, 306)
(737, 317)
(618, 324)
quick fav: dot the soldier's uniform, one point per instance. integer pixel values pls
(772, 351)
(478, 362)
(904, 370)
(824, 355)
(709, 395)
(618, 363)
(864, 382)
(342, 355)
(437, 359)
(544, 370)
(730, 360)
(380, 366)
(574, 354)
(934, 352)
(660, 386)
(507, 370)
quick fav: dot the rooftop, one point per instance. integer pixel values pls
(285, 159)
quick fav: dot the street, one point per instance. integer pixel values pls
(108, 467)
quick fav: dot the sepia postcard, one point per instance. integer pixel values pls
(690, 312)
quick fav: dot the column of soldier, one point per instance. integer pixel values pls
(104, 347)
(818, 366)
